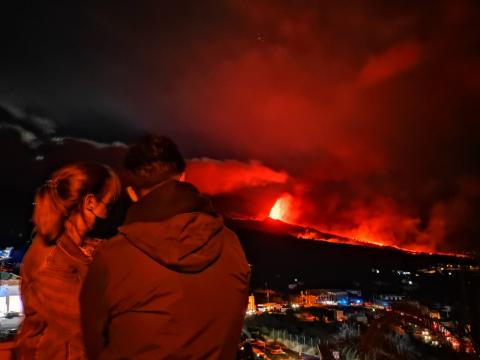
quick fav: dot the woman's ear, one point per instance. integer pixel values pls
(131, 194)
(89, 202)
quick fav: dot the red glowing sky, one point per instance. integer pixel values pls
(365, 113)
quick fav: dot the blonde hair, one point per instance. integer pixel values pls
(63, 194)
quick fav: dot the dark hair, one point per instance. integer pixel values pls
(61, 196)
(151, 160)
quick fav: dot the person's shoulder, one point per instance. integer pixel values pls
(36, 254)
(113, 243)
(109, 250)
(230, 234)
(232, 243)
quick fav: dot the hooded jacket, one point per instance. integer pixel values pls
(172, 285)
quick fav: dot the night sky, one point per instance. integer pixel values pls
(365, 112)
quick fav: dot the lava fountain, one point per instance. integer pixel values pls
(280, 210)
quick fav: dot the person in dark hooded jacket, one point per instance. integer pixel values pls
(173, 284)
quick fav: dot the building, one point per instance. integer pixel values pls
(251, 303)
(388, 299)
(10, 301)
(337, 297)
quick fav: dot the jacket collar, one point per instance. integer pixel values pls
(69, 242)
(169, 199)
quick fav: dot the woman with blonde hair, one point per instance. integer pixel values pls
(54, 267)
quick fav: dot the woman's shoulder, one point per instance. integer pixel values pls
(36, 255)
(38, 247)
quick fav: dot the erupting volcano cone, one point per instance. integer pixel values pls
(281, 207)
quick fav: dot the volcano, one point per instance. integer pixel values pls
(276, 226)
(280, 252)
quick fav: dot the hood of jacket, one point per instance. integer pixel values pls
(175, 226)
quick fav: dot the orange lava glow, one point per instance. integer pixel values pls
(314, 235)
(280, 210)
(285, 209)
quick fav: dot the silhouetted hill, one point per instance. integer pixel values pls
(278, 258)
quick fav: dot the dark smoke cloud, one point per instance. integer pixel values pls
(370, 108)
